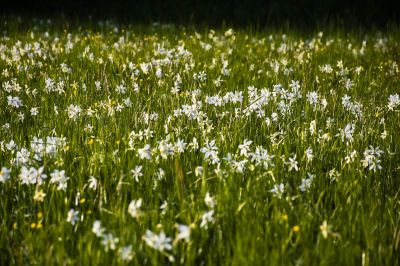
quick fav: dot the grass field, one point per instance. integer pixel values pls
(158, 145)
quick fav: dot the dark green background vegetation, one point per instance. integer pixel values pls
(304, 13)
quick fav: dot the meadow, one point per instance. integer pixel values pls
(169, 145)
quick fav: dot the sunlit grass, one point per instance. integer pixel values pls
(198, 147)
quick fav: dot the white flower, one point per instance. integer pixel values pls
(165, 149)
(278, 189)
(97, 229)
(194, 145)
(72, 216)
(306, 183)
(313, 127)
(394, 101)
(210, 151)
(137, 172)
(238, 166)
(183, 232)
(206, 219)
(125, 253)
(159, 242)
(59, 178)
(37, 145)
(109, 242)
(145, 152)
(245, 147)
(4, 174)
(11, 145)
(371, 158)
(92, 182)
(22, 156)
(164, 207)
(198, 171)
(292, 163)
(351, 157)
(134, 208)
(312, 97)
(261, 156)
(34, 111)
(121, 89)
(14, 101)
(73, 111)
(348, 132)
(144, 67)
(180, 146)
(309, 154)
(159, 73)
(32, 175)
(210, 201)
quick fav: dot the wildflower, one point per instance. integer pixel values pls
(245, 147)
(371, 158)
(160, 174)
(348, 84)
(351, 157)
(292, 163)
(325, 229)
(180, 146)
(32, 175)
(261, 156)
(312, 98)
(309, 154)
(394, 101)
(229, 33)
(278, 189)
(238, 166)
(306, 183)
(145, 68)
(159, 242)
(97, 85)
(159, 73)
(210, 201)
(58, 177)
(210, 151)
(4, 174)
(109, 242)
(126, 253)
(164, 207)
(313, 127)
(207, 218)
(347, 133)
(22, 156)
(14, 102)
(198, 171)
(183, 232)
(137, 172)
(145, 152)
(92, 183)
(72, 216)
(34, 111)
(11, 145)
(296, 228)
(39, 195)
(97, 229)
(121, 89)
(165, 149)
(127, 102)
(333, 174)
(134, 208)
(73, 111)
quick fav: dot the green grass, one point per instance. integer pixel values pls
(250, 224)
